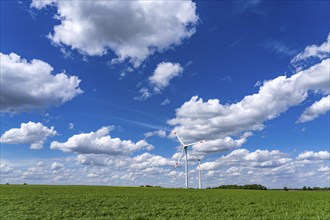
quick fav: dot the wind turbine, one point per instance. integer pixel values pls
(199, 174)
(185, 151)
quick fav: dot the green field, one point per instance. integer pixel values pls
(101, 202)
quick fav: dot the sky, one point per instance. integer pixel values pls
(91, 92)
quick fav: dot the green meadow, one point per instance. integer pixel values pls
(102, 202)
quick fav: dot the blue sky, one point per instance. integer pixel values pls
(92, 90)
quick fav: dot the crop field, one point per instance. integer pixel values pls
(102, 202)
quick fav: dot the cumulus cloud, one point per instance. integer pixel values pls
(272, 168)
(258, 158)
(162, 75)
(143, 167)
(159, 80)
(315, 78)
(228, 123)
(227, 126)
(133, 30)
(147, 161)
(144, 94)
(5, 168)
(39, 4)
(220, 144)
(34, 134)
(192, 156)
(56, 166)
(267, 167)
(324, 169)
(318, 108)
(310, 155)
(26, 86)
(34, 172)
(321, 52)
(100, 142)
(93, 159)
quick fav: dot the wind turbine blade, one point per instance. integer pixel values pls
(180, 157)
(199, 142)
(180, 140)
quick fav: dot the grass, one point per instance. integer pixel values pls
(101, 202)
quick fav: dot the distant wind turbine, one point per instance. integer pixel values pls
(199, 174)
(185, 151)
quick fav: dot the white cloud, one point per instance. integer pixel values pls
(40, 164)
(160, 79)
(93, 159)
(227, 123)
(162, 75)
(321, 52)
(144, 94)
(146, 160)
(5, 168)
(34, 172)
(318, 108)
(256, 159)
(123, 167)
(226, 126)
(262, 155)
(324, 169)
(271, 168)
(310, 155)
(133, 30)
(26, 86)
(71, 126)
(39, 4)
(99, 142)
(56, 166)
(116, 161)
(159, 133)
(279, 48)
(166, 102)
(220, 144)
(34, 134)
(192, 157)
(315, 78)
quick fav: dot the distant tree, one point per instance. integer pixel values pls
(7, 183)
(24, 183)
(304, 188)
(308, 188)
(285, 188)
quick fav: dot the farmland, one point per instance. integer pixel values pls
(102, 202)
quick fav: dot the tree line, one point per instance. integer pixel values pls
(305, 188)
(247, 186)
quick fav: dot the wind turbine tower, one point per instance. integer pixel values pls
(199, 175)
(184, 151)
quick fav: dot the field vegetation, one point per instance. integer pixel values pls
(102, 202)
